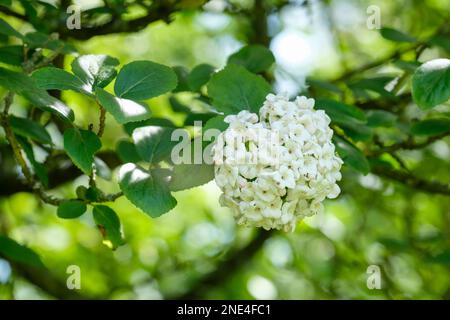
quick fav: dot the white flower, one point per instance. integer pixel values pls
(277, 168)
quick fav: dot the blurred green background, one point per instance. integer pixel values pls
(196, 250)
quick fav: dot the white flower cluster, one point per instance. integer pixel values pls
(274, 183)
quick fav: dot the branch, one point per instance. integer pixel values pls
(409, 144)
(12, 13)
(64, 173)
(376, 63)
(47, 282)
(161, 12)
(412, 181)
(227, 268)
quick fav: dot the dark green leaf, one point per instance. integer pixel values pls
(12, 55)
(42, 40)
(380, 118)
(141, 80)
(153, 143)
(30, 129)
(352, 156)
(324, 85)
(255, 58)
(39, 168)
(441, 41)
(123, 110)
(376, 84)
(146, 190)
(71, 209)
(431, 127)
(199, 76)
(159, 122)
(441, 258)
(431, 83)
(216, 123)
(203, 117)
(127, 152)
(50, 78)
(182, 76)
(235, 89)
(26, 87)
(341, 113)
(409, 66)
(395, 35)
(5, 3)
(177, 106)
(6, 29)
(109, 224)
(81, 145)
(186, 176)
(16, 252)
(356, 131)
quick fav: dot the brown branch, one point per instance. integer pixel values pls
(226, 269)
(65, 172)
(412, 181)
(12, 13)
(48, 282)
(409, 144)
(160, 12)
(101, 122)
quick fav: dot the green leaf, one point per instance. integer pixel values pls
(216, 123)
(5, 3)
(50, 78)
(341, 113)
(177, 106)
(431, 83)
(81, 145)
(160, 122)
(441, 258)
(395, 35)
(6, 29)
(71, 209)
(146, 190)
(199, 76)
(16, 252)
(123, 110)
(325, 85)
(102, 169)
(127, 152)
(42, 40)
(95, 70)
(197, 116)
(431, 127)
(154, 143)
(255, 58)
(358, 132)
(39, 169)
(30, 129)
(375, 84)
(352, 156)
(186, 176)
(109, 224)
(441, 41)
(380, 118)
(26, 87)
(235, 89)
(409, 66)
(12, 55)
(182, 82)
(141, 80)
